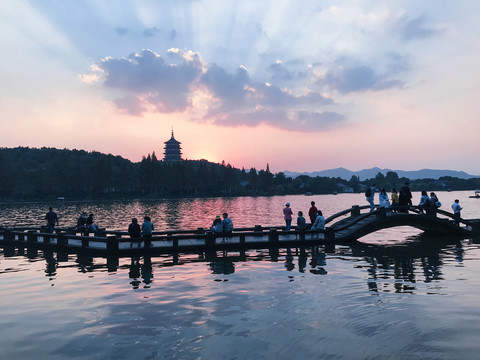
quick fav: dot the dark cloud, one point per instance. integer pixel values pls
(279, 72)
(231, 88)
(165, 86)
(416, 29)
(150, 82)
(358, 79)
(301, 121)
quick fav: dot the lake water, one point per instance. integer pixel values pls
(394, 294)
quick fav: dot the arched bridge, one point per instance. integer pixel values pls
(429, 220)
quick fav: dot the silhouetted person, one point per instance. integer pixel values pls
(287, 215)
(301, 222)
(82, 222)
(134, 231)
(52, 219)
(312, 212)
(405, 196)
(217, 225)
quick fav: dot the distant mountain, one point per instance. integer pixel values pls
(371, 173)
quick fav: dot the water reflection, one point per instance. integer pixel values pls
(406, 264)
(392, 268)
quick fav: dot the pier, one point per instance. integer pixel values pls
(343, 227)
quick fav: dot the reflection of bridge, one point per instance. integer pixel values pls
(345, 226)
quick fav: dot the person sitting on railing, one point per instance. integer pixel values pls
(217, 225)
(424, 201)
(147, 229)
(134, 231)
(301, 222)
(370, 195)
(227, 224)
(82, 222)
(91, 227)
(319, 223)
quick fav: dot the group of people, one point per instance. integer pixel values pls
(86, 224)
(402, 198)
(144, 232)
(222, 226)
(317, 220)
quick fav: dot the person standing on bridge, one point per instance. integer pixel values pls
(52, 219)
(405, 197)
(456, 211)
(369, 195)
(312, 213)
(287, 215)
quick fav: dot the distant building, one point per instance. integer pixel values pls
(172, 150)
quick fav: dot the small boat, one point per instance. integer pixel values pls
(476, 196)
(308, 193)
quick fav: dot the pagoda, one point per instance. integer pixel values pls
(172, 150)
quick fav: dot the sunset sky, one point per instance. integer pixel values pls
(301, 85)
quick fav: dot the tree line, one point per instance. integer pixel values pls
(46, 173)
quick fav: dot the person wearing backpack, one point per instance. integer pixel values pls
(424, 201)
(369, 195)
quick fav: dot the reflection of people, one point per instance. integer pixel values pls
(147, 271)
(147, 229)
(52, 219)
(312, 212)
(217, 225)
(222, 266)
(134, 231)
(287, 215)
(456, 211)
(301, 222)
(227, 224)
(134, 272)
(289, 265)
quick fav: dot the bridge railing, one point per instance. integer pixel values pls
(355, 212)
